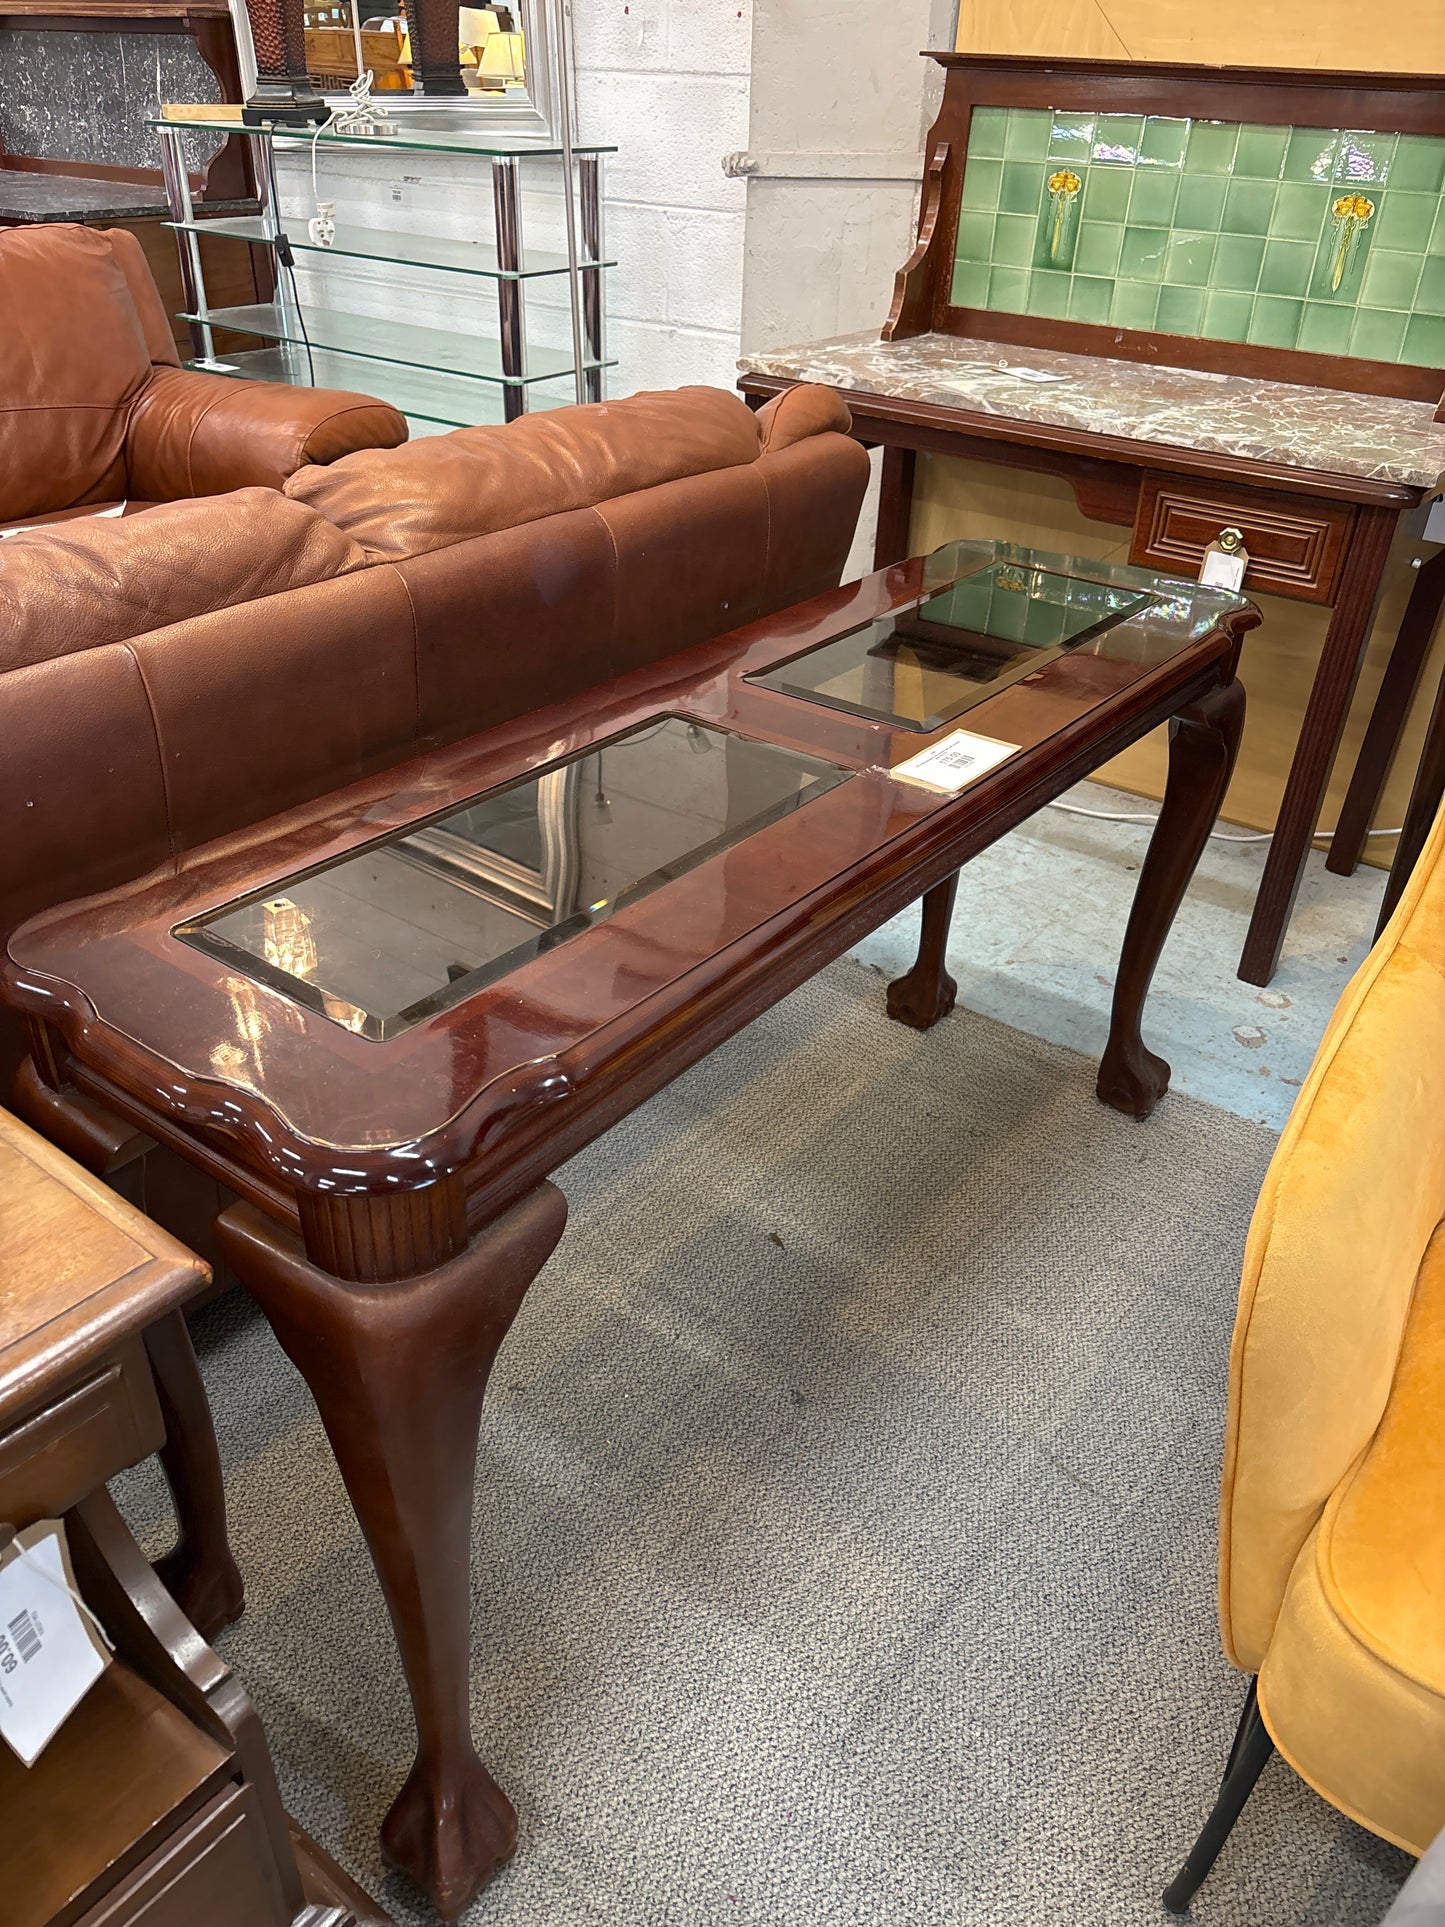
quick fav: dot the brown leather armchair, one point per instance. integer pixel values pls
(95, 408)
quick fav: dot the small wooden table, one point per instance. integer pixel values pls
(1313, 456)
(386, 1017)
(156, 1800)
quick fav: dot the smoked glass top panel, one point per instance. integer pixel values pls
(928, 664)
(426, 917)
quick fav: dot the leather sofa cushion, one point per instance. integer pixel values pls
(475, 481)
(78, 584)
(73, 351)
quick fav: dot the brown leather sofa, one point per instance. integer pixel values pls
(96, 410)
(193, 670)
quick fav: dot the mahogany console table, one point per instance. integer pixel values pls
(383, 1019)
(1163, 242)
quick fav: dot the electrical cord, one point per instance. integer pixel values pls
(1218, 836)
(287, 259)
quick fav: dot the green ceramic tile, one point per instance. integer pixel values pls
(975, 236)
(1286, 268)
(1071, 137)
(970, 284)
(1325, 329)
(1238, 259)
(1142, 258)
(1437, 233)
(1364, 159)
(1028, 133)
(1117, 138)
(1311, 153)
(986, 133)
(1134, 304)
(1300, 213)
(1098, 248)
(1211, 147)
(1201, 201)
(1248, 206)
(1275, 321)
(1013, 240)
(1163, 142)
(1390, 279)
(1152, 197)
(1260, 152)
(1181, 311)
(1089, 298)
(1227, 316)
(1404, 221)
(1048, 292)
(1425, 341)
(1106, 194)
(1419, 164)
(1189, 259)
(1008, 290)
(1022, 188)
(1376, 335)
(981, 183)
(1430, 295)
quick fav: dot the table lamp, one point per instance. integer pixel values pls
(502, 63)
(284, 91)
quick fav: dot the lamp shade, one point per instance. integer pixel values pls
(503, 59)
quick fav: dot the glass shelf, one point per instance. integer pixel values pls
(405, 250)
(443, 350)
(408, 135)
(425, 394)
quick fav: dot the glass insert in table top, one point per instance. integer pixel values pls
(422, 919)
(930, 663)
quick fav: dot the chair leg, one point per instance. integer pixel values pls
(1247, 1757)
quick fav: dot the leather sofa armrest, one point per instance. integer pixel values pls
(807, 409)
(197, 434)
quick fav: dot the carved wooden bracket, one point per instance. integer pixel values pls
(909, 314)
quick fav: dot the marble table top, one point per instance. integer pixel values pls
(1326, 429)
(27, 198)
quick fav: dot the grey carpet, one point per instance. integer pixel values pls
(846, 1512)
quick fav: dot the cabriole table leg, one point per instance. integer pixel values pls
(1203, 743)
(927, 992)
(398, 1371)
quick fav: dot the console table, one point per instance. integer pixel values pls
(1135, 276)
(385, 1018)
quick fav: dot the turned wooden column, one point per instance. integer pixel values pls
(284, 90)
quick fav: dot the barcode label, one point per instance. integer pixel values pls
(957, 761)
(26, 1635)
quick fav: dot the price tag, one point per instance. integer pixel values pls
(51, 1650)
(1225, 561)
(955, 762)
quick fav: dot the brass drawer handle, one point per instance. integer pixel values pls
(1230, 540)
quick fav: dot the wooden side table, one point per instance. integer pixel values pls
(156, 1801)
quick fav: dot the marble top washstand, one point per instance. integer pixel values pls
(1274, 422)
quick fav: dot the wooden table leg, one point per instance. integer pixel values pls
(927, 992)
(1387, 718)
(1203, 743)
(199, 1573)
(398, 1371)
(895, 508)
(1423, 807)
(1319, 739)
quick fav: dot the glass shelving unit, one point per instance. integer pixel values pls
(451, 376)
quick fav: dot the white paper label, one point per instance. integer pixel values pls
(1222, 570)
(50, 1656)
(955, 762)
(100, 515)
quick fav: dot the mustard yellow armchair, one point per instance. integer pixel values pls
(1332, 1514)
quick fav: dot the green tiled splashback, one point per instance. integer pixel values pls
(1289, 237)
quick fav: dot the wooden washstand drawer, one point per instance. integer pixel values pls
(1296, 545)
(52, 1455)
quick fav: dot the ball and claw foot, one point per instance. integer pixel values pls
(1132, 1080)
(449, 1833)
(210, 1592)
(921, 998)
